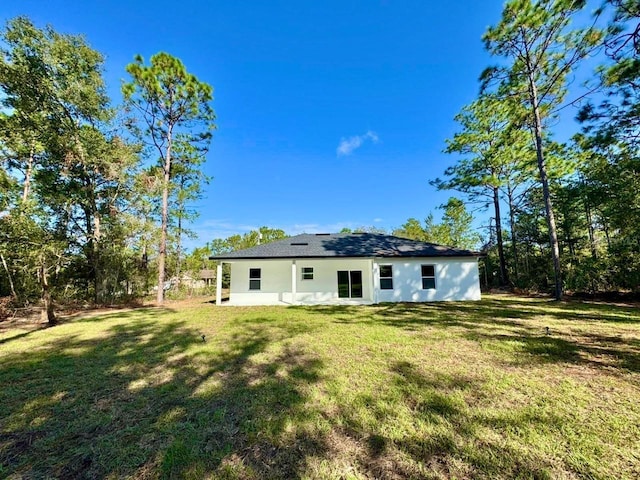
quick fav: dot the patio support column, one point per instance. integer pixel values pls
(219, 284)
(374, 270)
(294, 285)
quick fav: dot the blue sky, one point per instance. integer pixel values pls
(330, 113)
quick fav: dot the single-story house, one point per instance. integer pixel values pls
(352, 268)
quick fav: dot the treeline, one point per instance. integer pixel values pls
(94, 197)
(564, 215)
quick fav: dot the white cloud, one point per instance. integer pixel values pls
(348, 145)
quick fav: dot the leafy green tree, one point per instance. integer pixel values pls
(27, 84)
(186, 188)
(517, 150)
(254, 238)
(93, 188)
(498, 167)
(541, 52)
(455, 229)
(490, 162)
(53, 140)
(616, 119)
(170, 106)
(413, 229)
(609, 174)
(607, 184)
(235, 242)
(36, 253)
(457, 225)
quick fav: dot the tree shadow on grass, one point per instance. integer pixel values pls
(450, 438)
(506, 325)
(597, 351)
(495, 309)
(148, 398)
(19, 335)
(88, 318)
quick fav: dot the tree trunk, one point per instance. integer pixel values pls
(589, 218)
(504, 275)
(97, 268)
(144, 262)
(592, 238)
(91, 254)
(47, 312)
(27, 175)
(514, 239)
(92, 221)
(605, 228)
(179, 248)
(6, 268)
(542, 168)
(162, 254)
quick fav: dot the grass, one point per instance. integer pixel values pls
(455, 390)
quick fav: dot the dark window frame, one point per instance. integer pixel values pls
(386, 281)
(309, 272)
(428, 279)
(255, 279)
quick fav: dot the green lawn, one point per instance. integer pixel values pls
(451, 390)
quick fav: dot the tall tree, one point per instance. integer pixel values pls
(170, 105)
(517, 150)
(610, 174)
(480, 174)
(53, 135)
(617, 117)
(27, 81)
(187, 188)
(541, 51)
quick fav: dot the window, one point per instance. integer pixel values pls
(428, 277)
(254, 278)
(386, 277)
(307, 273)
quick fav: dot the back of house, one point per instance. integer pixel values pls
(354, 268)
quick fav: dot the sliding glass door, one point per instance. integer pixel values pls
(350, 284)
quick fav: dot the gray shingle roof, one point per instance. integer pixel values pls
(345, 245)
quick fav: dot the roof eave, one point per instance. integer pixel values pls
(290, 257)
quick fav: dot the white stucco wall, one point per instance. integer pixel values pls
(276, 281)
(456, 279)
(324, 286)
